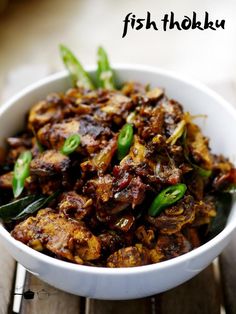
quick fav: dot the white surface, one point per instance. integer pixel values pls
(147, 280)
(30, 32)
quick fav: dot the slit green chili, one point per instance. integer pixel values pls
(167, 197)
(70, 145)
(125, 140)
(105, 74)
(21, 172)
(78, 74)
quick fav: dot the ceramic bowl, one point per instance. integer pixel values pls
(127, 283)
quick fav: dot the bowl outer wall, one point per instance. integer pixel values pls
(123, 283)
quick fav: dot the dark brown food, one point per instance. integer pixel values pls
(65, 238)
(101, 214)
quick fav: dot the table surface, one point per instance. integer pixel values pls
(213, 290)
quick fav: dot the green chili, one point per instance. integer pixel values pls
(21, 172)
(125, 140)
(78, 75)
(167, 197)
(105, 75)
(71, 143)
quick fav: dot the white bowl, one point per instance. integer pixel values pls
(127, 283)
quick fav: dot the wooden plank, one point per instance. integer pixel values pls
(49, 299)
(140, 306)
(7, 270)
(228, 275)
(199, 295)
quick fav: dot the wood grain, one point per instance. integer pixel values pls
(228, 275)
(140, 306)
(199, 295)
(49, 299)
(7, 271)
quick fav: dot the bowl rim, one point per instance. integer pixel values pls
(187, 257)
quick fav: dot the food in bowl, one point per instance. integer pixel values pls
(111, 177)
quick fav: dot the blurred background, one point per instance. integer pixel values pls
(30, 31)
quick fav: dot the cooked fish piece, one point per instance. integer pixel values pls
(49, 184)
(173, 245)
(117, 104)
(129, 257)
(91, 133)
(112, 107)
(133, 88)
(50, 162)
(173, 218)
(54, 136)
(100, 188)
(74, 205)
(149, 121)
(45, 111)
(67, 239)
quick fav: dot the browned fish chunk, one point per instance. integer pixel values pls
(74, 205)
(45, 111)
(173, 218)
(129, 257)
(133, 88)
(67, 239)
(54, 136)
(91, 133)
(48, 163)
(173, 245)
(100, 188)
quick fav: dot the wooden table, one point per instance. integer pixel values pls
(213, 291)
